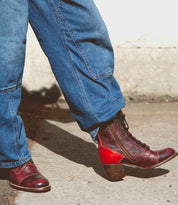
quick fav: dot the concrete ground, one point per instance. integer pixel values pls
(69, 159)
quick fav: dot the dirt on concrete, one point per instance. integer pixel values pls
(76, 176)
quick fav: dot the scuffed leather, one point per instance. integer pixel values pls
(27, 175)
(116, 136)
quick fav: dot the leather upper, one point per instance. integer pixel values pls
(27, 175)
(116, 136)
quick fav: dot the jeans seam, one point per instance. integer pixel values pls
(112, 98)
(73, 38)
(10, 88)
(15, 164)
(69, 56)
(76, 43)
(15, 123)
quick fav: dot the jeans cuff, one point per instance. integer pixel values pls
(15, 164)
(94, 133)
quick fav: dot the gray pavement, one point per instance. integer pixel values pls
(69, 159)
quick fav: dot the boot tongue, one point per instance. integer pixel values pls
(124, 124)
(120, 115)
(122, 120)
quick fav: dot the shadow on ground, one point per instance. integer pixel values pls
(7, 195)
(33, 110)
(41, 105)
(3, 174)
(79, 151)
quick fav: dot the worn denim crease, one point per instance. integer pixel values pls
(78, 80)
(74, 37)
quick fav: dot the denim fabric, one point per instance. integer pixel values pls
(13, 26)
(76, 42)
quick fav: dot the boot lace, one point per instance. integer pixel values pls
(124, 126)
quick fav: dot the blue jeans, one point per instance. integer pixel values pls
(13, 26)
(74, 37)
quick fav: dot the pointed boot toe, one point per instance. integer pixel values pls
(166, 154)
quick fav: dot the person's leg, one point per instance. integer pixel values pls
(76, 42)
(14, 152)
(13, 25)
(75, 39)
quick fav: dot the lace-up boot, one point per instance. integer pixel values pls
(117, 146)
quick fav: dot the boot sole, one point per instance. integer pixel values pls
(37, 190)
(115, 172)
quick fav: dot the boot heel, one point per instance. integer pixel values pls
(114, 172)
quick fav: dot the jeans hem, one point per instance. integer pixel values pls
(93, 133)
(15, 164)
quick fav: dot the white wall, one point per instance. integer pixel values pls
(132, 25)
(141, 22)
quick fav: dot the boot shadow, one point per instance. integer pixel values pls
(82, 152)
(69, 146)
(60, 141)
(140, 173)
(4, 174)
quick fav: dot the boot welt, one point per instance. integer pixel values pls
(29, 189)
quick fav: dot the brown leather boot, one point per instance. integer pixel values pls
(27, 178)
(117, 146)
